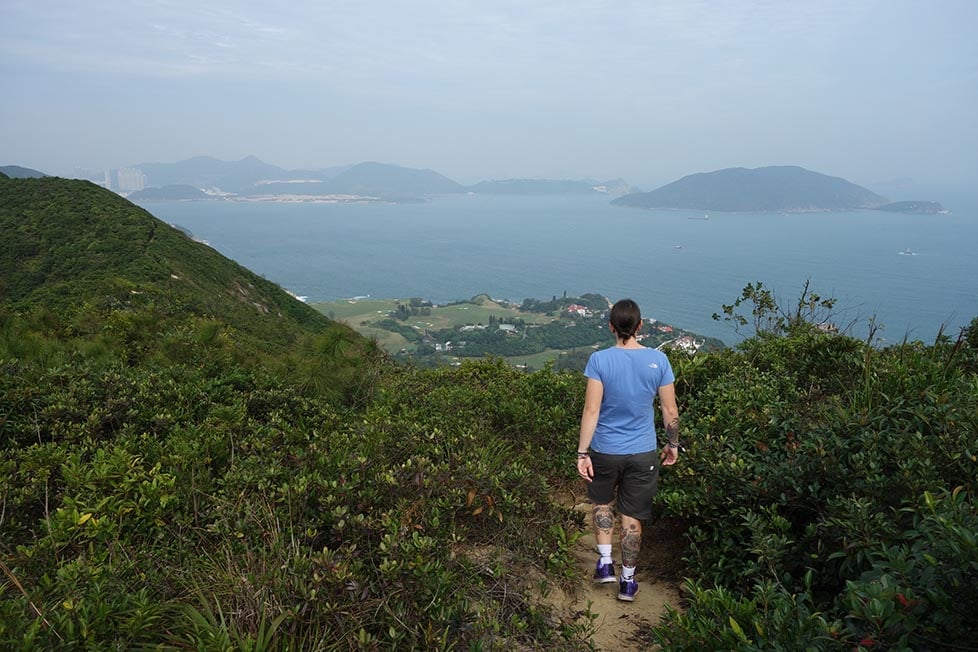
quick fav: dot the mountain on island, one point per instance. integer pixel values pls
(207, 172)
(18, 172)
(381, 179)
(252, 177)
(784, 188)
(778, 188)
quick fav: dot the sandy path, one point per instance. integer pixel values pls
(626, 625)
(620, 625)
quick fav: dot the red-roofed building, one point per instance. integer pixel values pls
(580, 311)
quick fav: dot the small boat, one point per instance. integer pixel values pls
(908, 252)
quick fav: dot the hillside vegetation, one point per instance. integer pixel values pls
(75, 249)
(184, 469)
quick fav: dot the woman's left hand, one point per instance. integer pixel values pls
(669, 455)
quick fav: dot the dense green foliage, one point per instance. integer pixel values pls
(183, 505)
(169, 479)
(528, 339)
(593, 302)
(830, 491)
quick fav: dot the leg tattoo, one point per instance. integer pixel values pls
(604, 519)
(631, 542)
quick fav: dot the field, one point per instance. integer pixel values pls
(361, 314)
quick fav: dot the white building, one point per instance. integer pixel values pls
(130, 179)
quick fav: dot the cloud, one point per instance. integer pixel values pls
(670, 80)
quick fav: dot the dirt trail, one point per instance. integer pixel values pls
(623, 625)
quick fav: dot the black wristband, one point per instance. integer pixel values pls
(583, 455)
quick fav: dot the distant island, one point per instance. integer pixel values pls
(766, 189)
(550, 187)
(778, 188)
(251, 179)
(914, 207)
(787, 189)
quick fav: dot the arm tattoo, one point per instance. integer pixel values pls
(672, 431)
(631, 542)
(604, 519)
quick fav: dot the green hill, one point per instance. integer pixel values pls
(71, 246)
(190, 459)
(778, 188)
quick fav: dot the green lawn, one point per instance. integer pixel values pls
(361, 314)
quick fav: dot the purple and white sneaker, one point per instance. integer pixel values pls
(604, 573)
(627, 590)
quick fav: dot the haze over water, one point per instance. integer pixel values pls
(680, 267)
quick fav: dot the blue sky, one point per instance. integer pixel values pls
(871, 90)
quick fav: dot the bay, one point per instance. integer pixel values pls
(680, 266)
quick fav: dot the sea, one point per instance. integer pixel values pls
(911, 276)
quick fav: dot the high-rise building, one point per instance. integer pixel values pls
(131, 179)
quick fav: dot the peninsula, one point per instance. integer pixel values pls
(563, 330)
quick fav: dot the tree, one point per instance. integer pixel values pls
(769, 318)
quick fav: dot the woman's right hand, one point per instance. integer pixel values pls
(585, 469)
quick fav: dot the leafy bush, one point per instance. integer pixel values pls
(191, 504)
(809, 456)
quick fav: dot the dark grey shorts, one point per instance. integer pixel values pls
(635, 478)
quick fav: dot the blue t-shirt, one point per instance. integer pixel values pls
(631, 378)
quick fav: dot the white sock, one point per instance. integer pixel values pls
(627, 572)
(604, 549)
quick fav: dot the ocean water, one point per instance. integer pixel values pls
(680, 266)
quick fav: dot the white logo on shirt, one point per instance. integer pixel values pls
(653, 365)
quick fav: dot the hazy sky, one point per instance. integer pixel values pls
(648, 90)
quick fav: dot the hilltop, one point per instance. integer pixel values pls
(778, 188)
(18, 172)
(71, 246)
